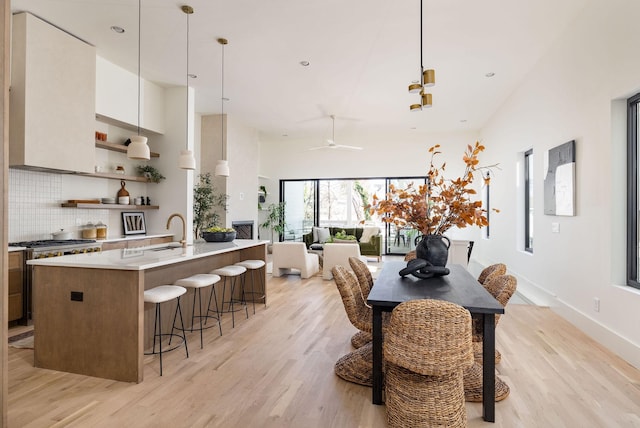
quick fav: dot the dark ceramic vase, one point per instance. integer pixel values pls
(434, 249)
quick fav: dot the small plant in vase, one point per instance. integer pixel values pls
(151, 173)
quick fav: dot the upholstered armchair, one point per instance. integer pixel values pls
(294, 255)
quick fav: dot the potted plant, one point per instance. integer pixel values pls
(275, 219)
(207, 204)
(151, 173)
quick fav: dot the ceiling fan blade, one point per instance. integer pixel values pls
(340, 146)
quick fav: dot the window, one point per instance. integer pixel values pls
(632, 191)
(487, 206)
(528, 201)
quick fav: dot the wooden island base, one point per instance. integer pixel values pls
(94, 321)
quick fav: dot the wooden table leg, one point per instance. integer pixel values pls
(488, 368)
(377, 355)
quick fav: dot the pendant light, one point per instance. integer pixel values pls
(138, 148)
(187, 160)
(222, 166)
(427, 79)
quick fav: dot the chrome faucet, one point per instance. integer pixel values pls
(183, 241)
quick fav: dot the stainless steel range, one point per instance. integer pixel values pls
(49, 248)
(55, 248)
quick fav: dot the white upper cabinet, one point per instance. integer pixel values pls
(117, 98)
(52, 99)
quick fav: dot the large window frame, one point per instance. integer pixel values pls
(528, 191)
(632, 191)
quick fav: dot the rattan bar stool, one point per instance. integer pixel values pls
(231, 273)
(162, 294)
(254, 266)
(198, 282)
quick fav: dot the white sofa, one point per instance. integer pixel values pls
(294, 255)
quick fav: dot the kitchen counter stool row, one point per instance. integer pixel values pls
(165, 293)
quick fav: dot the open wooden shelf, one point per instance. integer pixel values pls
(111, 206)
(118, 147)
(114, 176)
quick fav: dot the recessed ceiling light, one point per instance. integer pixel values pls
(490, 74)
(225, 99)
(304, 63)
(117, 29)
(463, 120)
(285, 135)
(192, 76)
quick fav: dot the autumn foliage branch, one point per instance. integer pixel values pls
(435, 207)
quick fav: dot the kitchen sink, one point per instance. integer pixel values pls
(166, 247)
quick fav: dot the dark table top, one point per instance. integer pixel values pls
(459, 287)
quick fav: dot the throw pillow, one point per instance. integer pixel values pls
(323, 234)
(368, 233)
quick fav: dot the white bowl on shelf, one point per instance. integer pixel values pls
(108, 200)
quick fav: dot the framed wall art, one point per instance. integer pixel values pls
(133, 223)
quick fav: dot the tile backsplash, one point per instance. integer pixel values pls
(34, 207)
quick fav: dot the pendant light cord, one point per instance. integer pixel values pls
(187, 87)
(139, 37)
(421, 64)
(222, 105)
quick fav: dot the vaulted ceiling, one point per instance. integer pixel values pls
(362, 55)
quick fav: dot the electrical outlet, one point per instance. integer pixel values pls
(241, 196)
(555, 227)
(596, 304)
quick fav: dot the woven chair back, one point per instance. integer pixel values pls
(429, 337)
(410, 256)
(491, 272)
(358, 312)
(365, 280)
(502, 288)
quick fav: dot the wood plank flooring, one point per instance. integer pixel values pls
(276, 370)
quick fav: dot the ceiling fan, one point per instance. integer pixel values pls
(331, 144)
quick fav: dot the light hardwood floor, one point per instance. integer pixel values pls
(276, 370)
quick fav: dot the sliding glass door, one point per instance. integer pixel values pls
(342, 203)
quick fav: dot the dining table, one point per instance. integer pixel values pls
(459, 287)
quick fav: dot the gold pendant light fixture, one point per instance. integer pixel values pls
(427, 79)
(187, 160)
(138, 148)
(222, 166)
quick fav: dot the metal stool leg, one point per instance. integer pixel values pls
(217, 311)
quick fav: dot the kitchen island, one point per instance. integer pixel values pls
(89, 312)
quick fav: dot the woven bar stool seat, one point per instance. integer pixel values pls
(198, 282)
(254, 266)
(231, 273)
(162, 294)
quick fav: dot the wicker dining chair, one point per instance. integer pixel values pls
(426, 349)
(356, 366)
(365, 280)
(501, 288)
(492, 271)
(410, 256)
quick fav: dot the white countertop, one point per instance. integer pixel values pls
(134, 237)
(16, 248)
(146, 257)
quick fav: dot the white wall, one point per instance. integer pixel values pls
(241, 151)
(576, 91)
